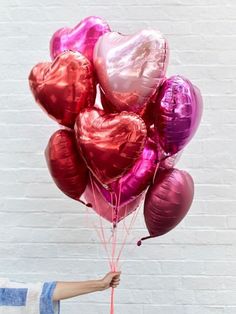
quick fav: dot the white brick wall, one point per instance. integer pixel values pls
(42, 233)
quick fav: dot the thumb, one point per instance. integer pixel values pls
(116, 274)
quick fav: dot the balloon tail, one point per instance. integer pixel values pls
(139, 243)
(85, 204)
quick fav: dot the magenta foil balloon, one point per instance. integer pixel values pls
(136, 180)
(167, 201)
(178, 112)
(93, 196)
(130, 69)
(82, 38)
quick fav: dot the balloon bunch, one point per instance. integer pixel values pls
(117, 153)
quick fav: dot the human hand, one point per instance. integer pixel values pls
(111, 280)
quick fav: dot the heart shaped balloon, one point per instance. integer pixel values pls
(131, 68)
(178, 111)
(82, 38)
(93, 196)
(110, 143)
(64, 87)
(65, 164)
(136, 180)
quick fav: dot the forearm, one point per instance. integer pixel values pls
(65, 290)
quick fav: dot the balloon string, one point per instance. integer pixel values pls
(111, 259)
(103, 238)
(115, 218)
(133, 220)
(112, 308)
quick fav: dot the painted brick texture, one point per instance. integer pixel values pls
(43, 235)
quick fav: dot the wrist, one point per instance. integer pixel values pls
(101, 285)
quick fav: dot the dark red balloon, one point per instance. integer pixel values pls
(167, 201)
(64, 87)
(110, 143)
(65, 164)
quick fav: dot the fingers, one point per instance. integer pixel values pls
(115, 282)
(114, 279)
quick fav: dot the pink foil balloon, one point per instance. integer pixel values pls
(136, 180)
(110, 143)
(178, 111)
(93, 196)
(131, 68)
(82, 38)
(167, 201)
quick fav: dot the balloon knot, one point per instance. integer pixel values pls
(139, 243)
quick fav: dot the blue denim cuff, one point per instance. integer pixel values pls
(47, 305)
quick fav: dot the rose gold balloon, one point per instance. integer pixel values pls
(110, 143)
(64, 87)
(131, 68)
(65, 164)
(167, 201)
(93, 196)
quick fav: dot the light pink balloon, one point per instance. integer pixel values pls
(130, 69)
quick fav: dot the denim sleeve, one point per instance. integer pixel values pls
(47, 305)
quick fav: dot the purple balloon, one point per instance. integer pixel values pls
(178, 111)
(82, 38)
(167, 201)
(136, 180)
(165, 160)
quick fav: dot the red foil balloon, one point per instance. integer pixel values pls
(110, 143)
(167, 201)
(131, 68)
(64, 87)
(136, 180)
(178, 112)
(93, 196)
(82, 38)
(65, 164)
